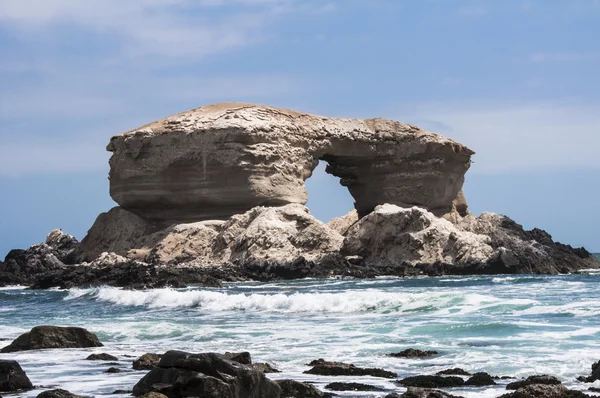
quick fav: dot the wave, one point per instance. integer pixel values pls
(367, 300)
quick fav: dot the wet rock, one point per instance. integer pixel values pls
(480, 379)
(454, 371)
(13, 377)
(122, 392)
(146, 362)
(241, 357)
(326, 368)
(412, 353)
(339, 386)
(181, 374)
(153, 395)
(428, 381)
(113, 370)
(102, 357)
(545, 391)
(41, 337)
(296, 389)
(543, 379)
(594, 389)
(265, 368)
(415, 392)
(58, 393)
(594, 376)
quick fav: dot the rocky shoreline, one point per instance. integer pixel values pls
(176, 374)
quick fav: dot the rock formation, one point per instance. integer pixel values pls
(41, 337)
(220, 160)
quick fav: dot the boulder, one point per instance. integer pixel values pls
(415, 392)
(181, 374)
(172, 171)
(543, 379)
(326, 368)
(147, 361)
(102, 357)
(41, 337)
(296, 389)
(339, 386)
(58, 393)
(265, 368)
(427, 381)
(241, 357)
(594, 376)
(480, 379)
(12, 377)
(412, 353)
(454, 371)
(113, 370)
(545, 391)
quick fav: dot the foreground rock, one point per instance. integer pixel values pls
(428, 381)
(102, 357)
(480, 379)
(326, 368)
(543, 379)
(339, 386)
(41, 337)
(594, 376)
(12, 377)
(181, 374)
(415, 392)
(172, 171)
(545, 391)
(454, 371)
(296, 389)
(147, 361)
(58, 393)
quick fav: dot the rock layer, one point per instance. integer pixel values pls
(219, 160)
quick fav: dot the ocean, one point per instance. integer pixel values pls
(516, 325)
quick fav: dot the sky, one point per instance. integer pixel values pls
(516, 80)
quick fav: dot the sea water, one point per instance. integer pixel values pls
(504, 325)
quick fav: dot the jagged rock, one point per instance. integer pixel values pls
(454, 371)
(428, 381)
(543, 379)
(412, 353)
(265, 368)
(172, 170)
(241, 357)
(394, 236)
(35, 260)
(181, 374)
(595, 374)
(64, 246)
(545, 391)
(480, 379)
(146, 362)
(41, 337)
(416, 392)
(13, 377)
(339, 386)
(327, 368)
(296, 389)
(58, 393)
(102, 357)
(341, 224)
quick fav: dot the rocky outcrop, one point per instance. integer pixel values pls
(296, 389)
(594, 376)
(58, 393)
(181, 374)
(341, 224)
(147, 361)
(415, 392)
(101, 357)
(328, 368)
(543, 379)
(412, 353)
(12, 377)
(545, 391)
(41, 337)
(402, 238)
(428, 381)
(219, 160)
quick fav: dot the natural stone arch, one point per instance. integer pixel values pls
(224, 159)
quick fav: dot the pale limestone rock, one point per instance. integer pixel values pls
(394, 236)
(219, 160)
(341, 224)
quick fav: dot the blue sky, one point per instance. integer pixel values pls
(515, 80)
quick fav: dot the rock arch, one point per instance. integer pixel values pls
(219, 160)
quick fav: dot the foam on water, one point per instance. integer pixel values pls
(516, 325)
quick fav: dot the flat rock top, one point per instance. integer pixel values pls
(254, 117)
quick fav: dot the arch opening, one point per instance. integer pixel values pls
(327, 198)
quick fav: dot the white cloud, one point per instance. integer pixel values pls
(518, 137)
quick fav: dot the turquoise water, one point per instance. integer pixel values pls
(504, 325)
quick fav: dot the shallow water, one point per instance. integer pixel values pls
(504, 325)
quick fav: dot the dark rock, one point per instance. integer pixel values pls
(102, 357)
(122, 392)
(595, 374)
(181, 374)
(64, 246)
(295, 389)
(454, 371)
(58, 393)
(415, 392)
(147, 361)
(594, 389)
(480, 379)
(545, 391)
(113, 370)
(428, 381)
(241, 357)
(28, 263)
(543, 379)
(412, 353)
(12, 377)
(326, 368)
(338, 386)
(154, 395)
(265, 368)
(53, 337)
